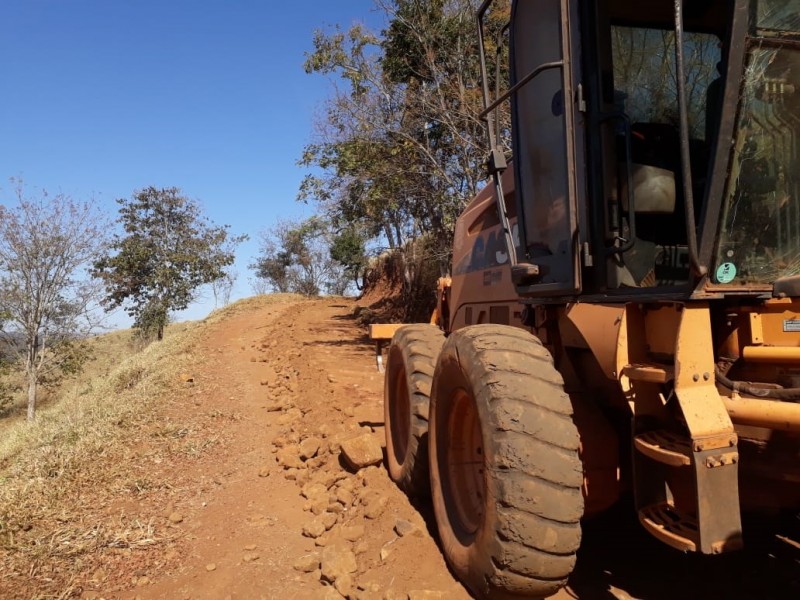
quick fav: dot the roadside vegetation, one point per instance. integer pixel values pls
(73, 481)
(168, 250)
(60, 475)
(398, 151)
(59, 268)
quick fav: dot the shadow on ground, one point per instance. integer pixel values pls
(617, 554)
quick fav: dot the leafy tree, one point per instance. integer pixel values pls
(46, 297)
(348, 249)
(296, 257)
(168, 250)
(402, 148)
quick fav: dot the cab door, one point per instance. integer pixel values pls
(547, 132)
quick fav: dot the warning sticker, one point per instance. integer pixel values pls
(791, 325)
(726, 272)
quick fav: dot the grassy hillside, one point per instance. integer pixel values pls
(71, 482)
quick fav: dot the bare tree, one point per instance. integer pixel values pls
(221, 288)
(259, 285)
(47, 298)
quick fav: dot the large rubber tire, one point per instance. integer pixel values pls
(406, 397)
(505, 472)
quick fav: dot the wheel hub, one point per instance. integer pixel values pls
(466, 484)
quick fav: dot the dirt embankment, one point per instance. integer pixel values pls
(268, 508)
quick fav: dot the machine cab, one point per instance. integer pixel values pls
(654, 145)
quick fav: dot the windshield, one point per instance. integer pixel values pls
(760, 235)
(778, 15)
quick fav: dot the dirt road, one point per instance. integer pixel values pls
(272, 512)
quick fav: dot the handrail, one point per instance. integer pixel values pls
(513, 90)
(498, 45)
(686, 163)
(484, 74)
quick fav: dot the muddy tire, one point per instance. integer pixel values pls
(505, 473)
(406, 396)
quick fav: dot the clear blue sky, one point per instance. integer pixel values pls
(102, 97)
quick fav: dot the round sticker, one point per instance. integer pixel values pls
(726, 272)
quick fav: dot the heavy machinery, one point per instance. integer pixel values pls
(623, 312)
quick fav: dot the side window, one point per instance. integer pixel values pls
(645, 91)
(540, 142)
(645, 76)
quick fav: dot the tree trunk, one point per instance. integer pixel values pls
(31, 370)
(387, 230)
(32, 380)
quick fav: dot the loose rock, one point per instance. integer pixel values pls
(317, 506)
(307, 564)
(314, 528)
(403, 527)
(336, 562)
(353, 533)
(309, 447)
(328, 520)
(345, 496)
(290, 416)
(362, 451)
(387, 549)
(314, 490)
(369, 414)
(344, 585)
(289, 458)
(375, 508)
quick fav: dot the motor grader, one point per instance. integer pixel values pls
(623, 311)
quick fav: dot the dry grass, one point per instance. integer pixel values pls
(106, 352)
(79, 487)
(253, 303)
(62, 477)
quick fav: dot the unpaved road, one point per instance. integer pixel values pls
(293, 372)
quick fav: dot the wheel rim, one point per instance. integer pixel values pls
(400, 416)
(464, 467)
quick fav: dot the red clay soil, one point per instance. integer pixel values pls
(292, 373)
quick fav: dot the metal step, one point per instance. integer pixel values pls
(667, 447)
(649, 372)
(671, 526)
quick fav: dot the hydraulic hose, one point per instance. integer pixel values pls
(786, 394)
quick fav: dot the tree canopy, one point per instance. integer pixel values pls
(303, 257)
(401, 148)
(168, 250)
